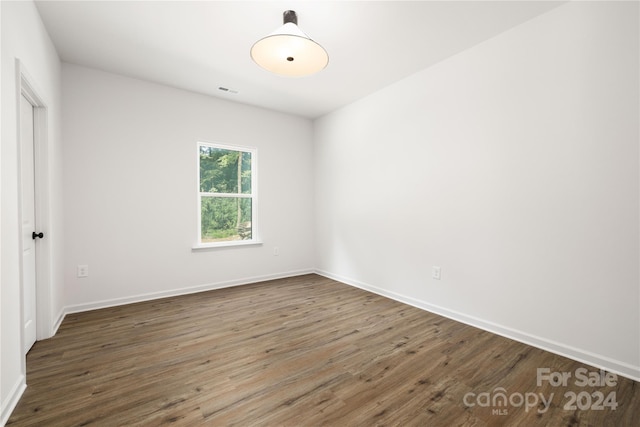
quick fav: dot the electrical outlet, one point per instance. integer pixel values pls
(276, 251)
(83, 271)
(436, 273)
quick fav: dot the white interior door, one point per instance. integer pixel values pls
(28, 222)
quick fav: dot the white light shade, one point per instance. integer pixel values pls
(289, 52)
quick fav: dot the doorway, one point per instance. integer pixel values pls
(33, 187)
(28, 218)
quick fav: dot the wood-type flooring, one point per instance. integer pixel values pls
(304, 351)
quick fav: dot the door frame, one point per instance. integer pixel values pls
(25, 86)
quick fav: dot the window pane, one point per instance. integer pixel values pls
(224, 171)
(225, 219)
(246, 173)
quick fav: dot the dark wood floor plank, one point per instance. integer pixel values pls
(302, 351)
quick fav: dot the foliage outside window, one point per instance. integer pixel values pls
(227, 194)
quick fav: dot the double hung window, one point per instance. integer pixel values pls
(226, 195)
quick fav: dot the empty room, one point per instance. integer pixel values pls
(340, 213)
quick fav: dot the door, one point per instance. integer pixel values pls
(27, 159)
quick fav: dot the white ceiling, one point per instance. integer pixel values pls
(203, 45)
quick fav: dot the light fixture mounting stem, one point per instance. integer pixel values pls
(290, 16)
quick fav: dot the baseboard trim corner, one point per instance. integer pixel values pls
(13, 398)
(58, 321)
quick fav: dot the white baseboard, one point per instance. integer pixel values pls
(596, 360)
(9, 404)
(175, 292)
(58, 321)
(580, 355)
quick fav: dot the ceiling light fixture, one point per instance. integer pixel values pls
(288, 51)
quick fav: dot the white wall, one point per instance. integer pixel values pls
(130, 184)
(514, 167)
(24, 38)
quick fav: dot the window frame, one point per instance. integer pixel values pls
(253, 196)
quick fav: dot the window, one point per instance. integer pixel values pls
(226, 195)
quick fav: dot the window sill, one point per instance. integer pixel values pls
(225, 245)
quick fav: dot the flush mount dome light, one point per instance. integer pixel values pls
(288, 51)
